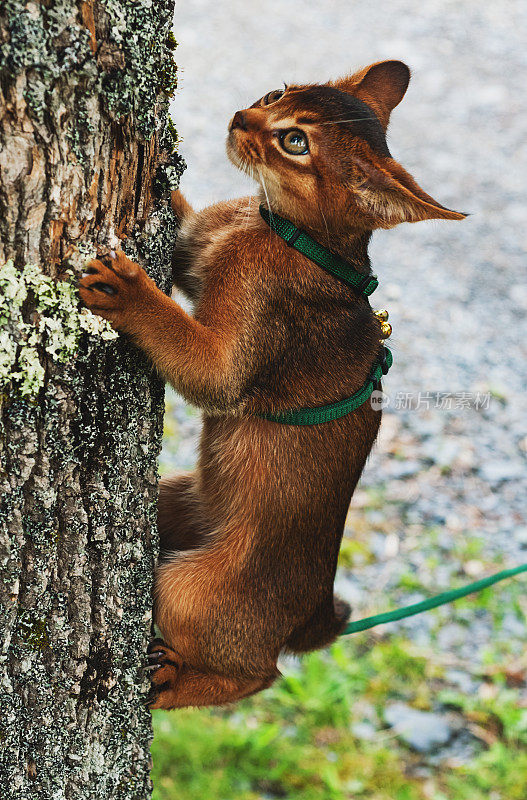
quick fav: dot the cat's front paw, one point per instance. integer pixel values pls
(112, 286)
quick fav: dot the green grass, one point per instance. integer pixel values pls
(296, 740)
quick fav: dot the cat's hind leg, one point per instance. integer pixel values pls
(180, 518)
(176, 684)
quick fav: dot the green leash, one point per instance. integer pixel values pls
(432, 602)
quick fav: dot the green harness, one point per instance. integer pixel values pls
(365, 285)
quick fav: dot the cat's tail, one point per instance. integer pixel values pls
(321, 629)
(180, 206)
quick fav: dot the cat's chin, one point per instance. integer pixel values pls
(241, 163)
(232, 154)
(269, 186)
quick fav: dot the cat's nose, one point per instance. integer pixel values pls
(238, 121)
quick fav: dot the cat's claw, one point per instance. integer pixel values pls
(151, 667)
(155, 655)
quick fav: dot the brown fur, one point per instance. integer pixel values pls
(250, 540)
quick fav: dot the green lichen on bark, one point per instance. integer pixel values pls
(147, 46)
(55, 328)
(137, 59)
(33, 631)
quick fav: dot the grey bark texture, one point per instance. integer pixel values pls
(86, 156)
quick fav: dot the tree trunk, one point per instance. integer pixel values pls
(86, 157)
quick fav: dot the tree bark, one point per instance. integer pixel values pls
(86, 156)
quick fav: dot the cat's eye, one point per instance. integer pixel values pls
(294, 142)
(272, 97)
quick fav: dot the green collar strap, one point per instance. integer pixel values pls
(314, 416)
(301, 241)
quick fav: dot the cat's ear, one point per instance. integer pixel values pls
(384, 190)
(382, 86)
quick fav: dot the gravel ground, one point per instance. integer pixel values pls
(443, 496)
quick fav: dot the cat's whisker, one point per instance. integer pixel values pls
(241, 208)
(326, 225)
(342, 121)
(247, 213)
(267, 198)
(244, 164)
(248, 169)
(239, 204)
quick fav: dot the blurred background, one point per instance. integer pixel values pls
(434, 708)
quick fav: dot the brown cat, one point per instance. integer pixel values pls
(250, 539)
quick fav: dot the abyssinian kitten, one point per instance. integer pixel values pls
(250, 539)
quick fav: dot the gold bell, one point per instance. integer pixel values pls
(386, 328)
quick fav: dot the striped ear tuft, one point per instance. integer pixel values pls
(389, 194)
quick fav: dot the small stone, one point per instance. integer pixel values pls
(462, 680)
(443, 451)
(423, 731)
(391, 545)
(364, 730)
(348, 589)
(404, 469)
(501, 470)
(451, 636)
(518, 295)
(473, 568)
(520, 534)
